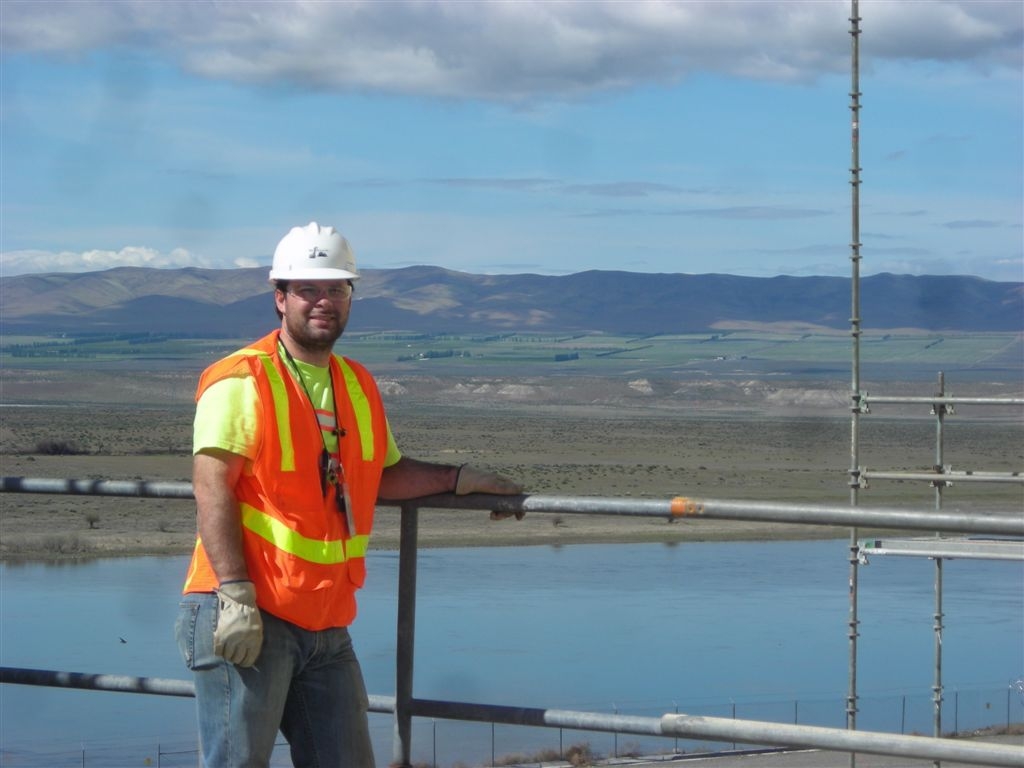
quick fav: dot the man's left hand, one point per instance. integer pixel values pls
(472, 480)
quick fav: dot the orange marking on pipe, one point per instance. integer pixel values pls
(682, 506)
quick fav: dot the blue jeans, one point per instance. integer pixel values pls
(306, 684)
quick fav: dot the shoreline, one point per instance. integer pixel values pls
(592, 451)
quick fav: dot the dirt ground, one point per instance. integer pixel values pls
(747, 440)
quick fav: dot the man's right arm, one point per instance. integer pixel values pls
(214, 475)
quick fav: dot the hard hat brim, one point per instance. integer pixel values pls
(312, 274)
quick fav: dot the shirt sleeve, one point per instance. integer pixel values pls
(226, 417)
(393, 455)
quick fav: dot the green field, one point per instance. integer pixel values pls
(998, 356)
(731, 415)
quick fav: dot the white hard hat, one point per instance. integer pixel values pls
(313, 252)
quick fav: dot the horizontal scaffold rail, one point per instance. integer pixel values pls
(669, 725)
(947, 476)
(941, 547)
(679, 507)
(939, 400)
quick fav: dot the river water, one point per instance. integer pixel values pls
(754, 629)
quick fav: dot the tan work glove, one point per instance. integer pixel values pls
(470, 480)
(238, 637)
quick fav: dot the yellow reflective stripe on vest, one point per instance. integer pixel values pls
(281, 413)
(281, 410)
(356, 395)
(358, 545)
(361, 407)
(311, 550)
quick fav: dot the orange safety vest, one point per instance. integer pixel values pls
(304, 562)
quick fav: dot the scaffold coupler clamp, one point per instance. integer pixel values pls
(941, 470)
(860, 403)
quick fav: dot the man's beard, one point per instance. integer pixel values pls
(312, 338)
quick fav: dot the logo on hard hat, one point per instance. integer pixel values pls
(317, 253)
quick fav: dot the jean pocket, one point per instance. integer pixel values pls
(185, 632)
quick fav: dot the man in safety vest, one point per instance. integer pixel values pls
(291, 450)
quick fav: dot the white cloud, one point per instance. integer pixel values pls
(41, 262)
(517, 51)
(985, 32)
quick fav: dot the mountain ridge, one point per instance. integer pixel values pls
(236, 302)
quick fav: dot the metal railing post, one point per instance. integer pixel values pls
(406, 634)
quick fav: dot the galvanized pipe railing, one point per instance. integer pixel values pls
(405, 706)
(678, 508)
(731, 730)
(158, 686)
(843, 740)
(689, 508)
(98, 682)
(93, 487)
(668, 725)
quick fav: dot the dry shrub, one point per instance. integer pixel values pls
(580, 755)
(579, 752)
(57, 448)
(62, 544)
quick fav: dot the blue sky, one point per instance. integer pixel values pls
(511, 137)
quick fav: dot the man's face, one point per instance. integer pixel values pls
(315, 312)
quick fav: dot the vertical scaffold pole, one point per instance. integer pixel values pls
(855, 332)
(940, 410)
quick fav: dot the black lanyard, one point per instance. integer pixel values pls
(331, 470)
(293, 366)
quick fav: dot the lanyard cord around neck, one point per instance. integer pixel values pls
(331, 470)
(293, 366)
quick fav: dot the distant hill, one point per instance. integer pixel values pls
(237, 302)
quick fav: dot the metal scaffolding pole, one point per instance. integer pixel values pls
(940, 410)
(940, 548)
(941, 405)
(945, 476)
(943, 547)
(855, 333)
